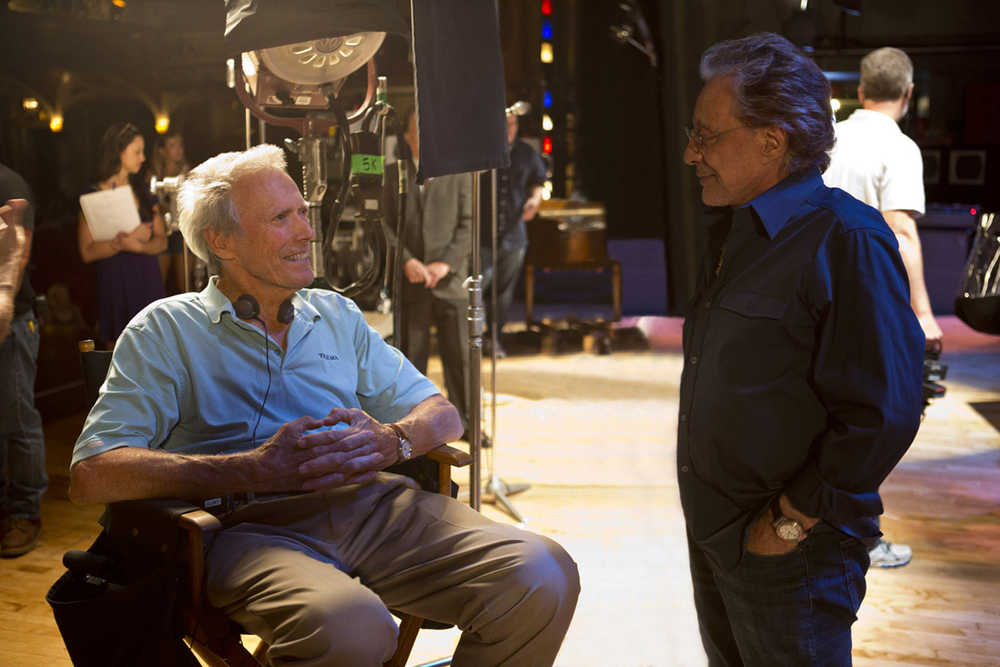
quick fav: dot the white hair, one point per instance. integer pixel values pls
(204, 199)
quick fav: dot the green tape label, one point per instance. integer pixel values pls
(367, 164)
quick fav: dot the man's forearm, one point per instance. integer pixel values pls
(130, 473)
(433, 422)
(6, 310)
(905, 228)
(10, 283)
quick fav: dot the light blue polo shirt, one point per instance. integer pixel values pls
(188, 376)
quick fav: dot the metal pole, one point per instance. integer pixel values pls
(475, 313)
(494, 334)
(496, 489)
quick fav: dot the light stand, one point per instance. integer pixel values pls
(497, 491)
(475, 314)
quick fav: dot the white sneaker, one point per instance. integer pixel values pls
(887, 554)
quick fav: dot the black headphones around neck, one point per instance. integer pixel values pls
(248, 308)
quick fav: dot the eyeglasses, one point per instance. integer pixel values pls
(701, 141)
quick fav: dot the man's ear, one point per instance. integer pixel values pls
(773, 142)
(218, 243)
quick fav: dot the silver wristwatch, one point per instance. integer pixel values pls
(785, 527)
(404, 450)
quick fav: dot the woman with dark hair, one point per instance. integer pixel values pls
(128, 274)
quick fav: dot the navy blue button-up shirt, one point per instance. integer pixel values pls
(803, 366)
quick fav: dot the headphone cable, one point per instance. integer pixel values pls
(267, 390)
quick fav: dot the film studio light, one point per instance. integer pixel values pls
(302, 75)
(290, 61)
(297, 85)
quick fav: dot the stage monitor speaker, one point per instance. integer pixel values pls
(945, 232)
(966, 166)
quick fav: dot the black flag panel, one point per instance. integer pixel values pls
(460, 86)
(261, 24)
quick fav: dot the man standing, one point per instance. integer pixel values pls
(436, 246)
(217, 393)
(802, 373)
(23, 480)
(875, 162)
(519, 194)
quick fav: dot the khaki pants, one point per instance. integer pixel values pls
(314, 576)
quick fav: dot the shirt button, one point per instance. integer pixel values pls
(708, 303)
(684, 468)
(683, 417)
(694, 359)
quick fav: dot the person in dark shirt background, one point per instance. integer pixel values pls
(519, 194)
(435, 264)
(23, 480)
(801, 387)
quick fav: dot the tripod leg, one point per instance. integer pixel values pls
(497, 492)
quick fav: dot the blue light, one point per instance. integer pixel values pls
(547, 99)
(546, 29)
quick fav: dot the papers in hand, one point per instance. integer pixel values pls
(110, 211)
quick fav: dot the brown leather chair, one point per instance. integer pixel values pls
(179, 528)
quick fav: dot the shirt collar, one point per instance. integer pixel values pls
(216, 303)
(871, 116)
(776, 206)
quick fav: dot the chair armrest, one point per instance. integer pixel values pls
(450, 455)
(197, 523)
(447, 457)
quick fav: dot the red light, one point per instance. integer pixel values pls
(973, 211)
(547, 7)
(547, 145)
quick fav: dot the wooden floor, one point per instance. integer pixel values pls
(594, 437)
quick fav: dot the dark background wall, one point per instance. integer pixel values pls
(617, 138)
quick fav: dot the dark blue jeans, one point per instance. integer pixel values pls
(793, 609)
(22, 445)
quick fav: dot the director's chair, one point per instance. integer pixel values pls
(176, 530)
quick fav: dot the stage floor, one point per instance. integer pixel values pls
(594, 436)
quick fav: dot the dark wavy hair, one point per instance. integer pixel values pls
(116, 139)
(776, 84)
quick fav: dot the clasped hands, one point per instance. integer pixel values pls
(12, 234)
(301, 458)
(428, 274)
(133, 241)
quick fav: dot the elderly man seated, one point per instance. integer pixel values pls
(257, 384)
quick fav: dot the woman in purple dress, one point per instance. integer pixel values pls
(128, 273)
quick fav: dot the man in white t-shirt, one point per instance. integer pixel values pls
(875, 162)
(872, 160)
